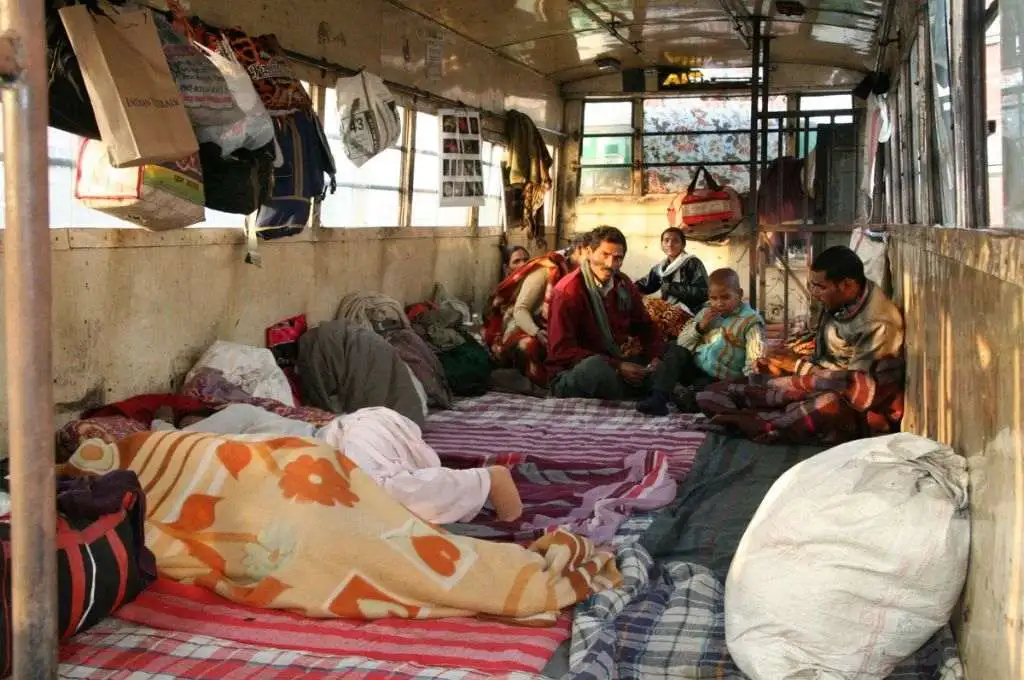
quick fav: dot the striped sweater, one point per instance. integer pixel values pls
(731, 346)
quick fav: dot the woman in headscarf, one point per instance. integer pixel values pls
(681, 277)
(515, 258)
(680, 283)
(515, 327)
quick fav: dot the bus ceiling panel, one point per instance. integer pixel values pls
(661, 43)
(497, 23)
(564, 38)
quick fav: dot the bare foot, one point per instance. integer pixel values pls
(748, 426)
(504, 495)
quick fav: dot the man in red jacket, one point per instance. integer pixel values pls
(602, 343)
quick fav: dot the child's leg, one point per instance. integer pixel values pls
(676, 366)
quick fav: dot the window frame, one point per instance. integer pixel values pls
(638, 184)
(580, 166)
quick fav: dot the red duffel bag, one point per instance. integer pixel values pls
(713, 203)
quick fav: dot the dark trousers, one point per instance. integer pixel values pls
(595, 378)
(678, 366)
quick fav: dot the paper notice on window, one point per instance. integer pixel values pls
(435, 57)
(461, 167)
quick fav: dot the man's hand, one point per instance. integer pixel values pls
(777, 366)
(632, 373)
(542, 337)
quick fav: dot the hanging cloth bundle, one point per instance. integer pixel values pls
(527, 174)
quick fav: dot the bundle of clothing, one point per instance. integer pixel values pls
(443, 323)
(344, 367)
(527, 173)
(385, 316)
(825, 407)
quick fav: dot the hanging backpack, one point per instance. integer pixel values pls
(299, 179)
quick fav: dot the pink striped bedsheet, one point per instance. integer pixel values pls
(580, 464)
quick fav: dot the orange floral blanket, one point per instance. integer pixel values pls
(289, 523)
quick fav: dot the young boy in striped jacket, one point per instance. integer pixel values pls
(723, 342)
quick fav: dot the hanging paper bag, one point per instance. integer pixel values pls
(138, 107)
(369, 116)
(156, 197)
(713, 203)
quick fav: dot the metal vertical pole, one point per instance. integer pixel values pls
(29, 373)
(763, 143)
(755, 47)
(967, 46)
(976, 126)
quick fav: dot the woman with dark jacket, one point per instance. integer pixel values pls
(681, 277)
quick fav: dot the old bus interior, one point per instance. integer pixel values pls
(893, 128)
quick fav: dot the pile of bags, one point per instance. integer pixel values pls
(179, 116)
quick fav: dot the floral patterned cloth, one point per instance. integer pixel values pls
(669, 318)
(289, 523)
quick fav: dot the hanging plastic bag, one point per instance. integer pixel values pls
(256, 129)
(369, 116)
(204, 92)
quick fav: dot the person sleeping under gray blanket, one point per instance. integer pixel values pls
(343, 368)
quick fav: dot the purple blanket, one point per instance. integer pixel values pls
(578, 463)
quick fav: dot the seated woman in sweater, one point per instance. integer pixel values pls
(681, 278)
(515, 329)
(723, 342)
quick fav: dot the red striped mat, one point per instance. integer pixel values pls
(487, 646)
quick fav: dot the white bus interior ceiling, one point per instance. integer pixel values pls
(630, 98)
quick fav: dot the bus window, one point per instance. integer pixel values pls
(368, 196)
(426, 180)
(492, 213)
(942, 94)
(1012, 58)
(993, 115)
(606, 154)
(681, 133)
